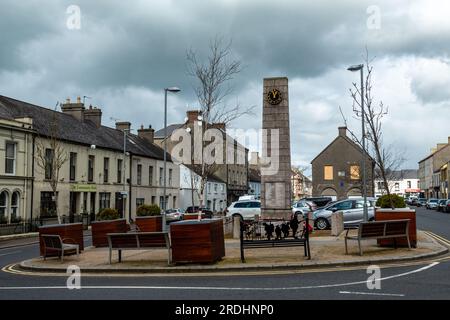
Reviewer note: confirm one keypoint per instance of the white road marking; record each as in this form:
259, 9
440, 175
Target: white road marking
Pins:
226, 288
5, 254
373, 293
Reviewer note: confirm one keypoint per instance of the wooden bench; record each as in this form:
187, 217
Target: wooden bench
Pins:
55, 246
138, 241
302, 241
388, 229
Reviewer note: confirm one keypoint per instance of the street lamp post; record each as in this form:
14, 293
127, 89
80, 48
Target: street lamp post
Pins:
123, 170
164, 203
360, 67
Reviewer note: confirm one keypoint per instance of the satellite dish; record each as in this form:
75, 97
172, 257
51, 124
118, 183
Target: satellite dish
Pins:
186, 119
199, 118
188, 130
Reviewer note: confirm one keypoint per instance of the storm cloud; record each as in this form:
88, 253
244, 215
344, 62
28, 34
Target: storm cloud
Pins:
125, 53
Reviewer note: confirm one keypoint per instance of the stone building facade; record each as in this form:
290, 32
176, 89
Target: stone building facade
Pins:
98, 173
234, 170
336, 171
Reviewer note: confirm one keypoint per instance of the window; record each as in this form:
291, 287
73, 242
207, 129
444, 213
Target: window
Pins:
409, 184
354, 172
215, 187
380, 185
3, 206
328, 172
170, 177
49, 154
153, 199
119, 170
91, 162
15, 206
150, 175
73, 166
344, 205
105, 170
161, 172
48, 205
397, 186
174, 202
105, 200
139, 174
341, 173
255, 204
139, 202
10, 158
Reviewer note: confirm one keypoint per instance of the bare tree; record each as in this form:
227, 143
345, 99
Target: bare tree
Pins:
387, 159
213, 90
50, 155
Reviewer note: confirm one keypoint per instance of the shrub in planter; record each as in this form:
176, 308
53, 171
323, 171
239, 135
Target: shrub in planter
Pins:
387, 201
146, 210
149, 218
107, 214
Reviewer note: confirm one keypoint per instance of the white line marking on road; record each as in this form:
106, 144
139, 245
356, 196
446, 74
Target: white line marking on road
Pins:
5, 254
227, 288
373, 293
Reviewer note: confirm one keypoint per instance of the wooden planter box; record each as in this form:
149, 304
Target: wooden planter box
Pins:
197, 241
72, 230
101, 228
400, 213
149, 224
192, 216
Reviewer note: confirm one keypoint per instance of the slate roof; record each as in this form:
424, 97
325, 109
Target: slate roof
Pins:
171, 128
76, 131
198, 170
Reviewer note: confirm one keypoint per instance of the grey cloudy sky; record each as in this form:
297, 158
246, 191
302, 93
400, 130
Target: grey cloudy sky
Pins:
126, 52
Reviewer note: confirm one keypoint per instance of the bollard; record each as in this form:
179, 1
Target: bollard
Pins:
337, 223
236, 227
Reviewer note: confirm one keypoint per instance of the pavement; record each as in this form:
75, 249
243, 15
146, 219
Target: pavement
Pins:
16, 240
326, 251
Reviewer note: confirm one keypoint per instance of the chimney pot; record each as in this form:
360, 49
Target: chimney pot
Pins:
147, 134
342, 131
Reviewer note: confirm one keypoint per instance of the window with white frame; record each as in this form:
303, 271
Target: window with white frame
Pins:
10, 158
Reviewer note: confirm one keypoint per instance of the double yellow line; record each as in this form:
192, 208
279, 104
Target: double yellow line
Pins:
446, 242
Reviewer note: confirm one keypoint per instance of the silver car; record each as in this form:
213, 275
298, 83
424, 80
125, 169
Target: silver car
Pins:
351, 208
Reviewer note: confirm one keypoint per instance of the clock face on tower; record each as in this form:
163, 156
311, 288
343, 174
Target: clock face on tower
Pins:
274, 97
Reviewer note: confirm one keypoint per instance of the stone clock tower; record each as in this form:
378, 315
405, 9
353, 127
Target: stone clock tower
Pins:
276, 192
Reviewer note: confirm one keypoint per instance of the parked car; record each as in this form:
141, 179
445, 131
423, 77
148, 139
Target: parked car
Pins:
174, 214
195, 209
421, 202
441, 205
432, 203
245, 209
352, 210
447, 206
411, 201
319, 201
303, 207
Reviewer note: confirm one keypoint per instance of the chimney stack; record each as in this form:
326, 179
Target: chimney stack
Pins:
192, 115
124, 125
94, 115
147, 134
342, 131
76, 110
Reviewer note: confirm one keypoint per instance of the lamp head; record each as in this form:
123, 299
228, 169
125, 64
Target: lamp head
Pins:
356, 67
173, 89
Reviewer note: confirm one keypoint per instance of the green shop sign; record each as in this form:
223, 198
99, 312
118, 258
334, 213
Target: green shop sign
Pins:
83, 187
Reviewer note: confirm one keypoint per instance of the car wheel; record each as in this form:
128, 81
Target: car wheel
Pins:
322, 224
372, 219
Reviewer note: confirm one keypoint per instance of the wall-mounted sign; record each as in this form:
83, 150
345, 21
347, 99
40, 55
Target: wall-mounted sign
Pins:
83, 187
